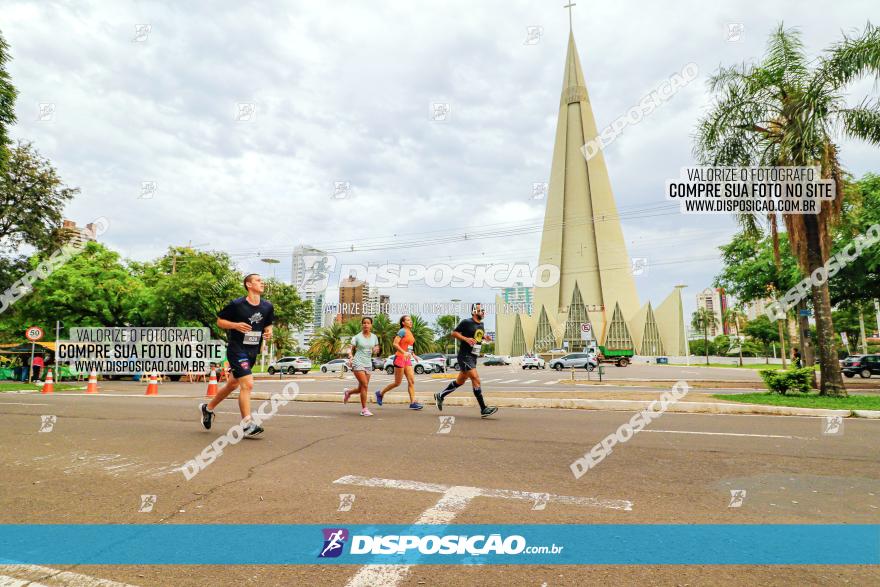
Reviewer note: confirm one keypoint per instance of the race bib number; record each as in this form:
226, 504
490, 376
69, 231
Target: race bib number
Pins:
476, 348
252, 337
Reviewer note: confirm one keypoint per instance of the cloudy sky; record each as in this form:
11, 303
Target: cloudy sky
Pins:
245, 116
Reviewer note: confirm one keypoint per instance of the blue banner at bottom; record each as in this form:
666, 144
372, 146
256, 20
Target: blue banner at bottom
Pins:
487, 544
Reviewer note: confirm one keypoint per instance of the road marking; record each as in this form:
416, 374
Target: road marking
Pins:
529, 381
726, 434
489, 380
454, 500
27, 574
20, 404
509, 381
555, 381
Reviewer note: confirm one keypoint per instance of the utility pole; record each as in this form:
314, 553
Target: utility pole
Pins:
862, 330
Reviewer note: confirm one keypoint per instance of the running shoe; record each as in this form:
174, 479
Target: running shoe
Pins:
252, 430
347, 395
366, 412
207, 416
488, 411
379, 397
438, 397
416, 406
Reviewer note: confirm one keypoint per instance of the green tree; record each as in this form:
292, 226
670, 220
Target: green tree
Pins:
93, 288
703, 320
385, 330
784, 111
327, 343
8, 93
291, 312
186, 287
423, 334
445, 325
32, 199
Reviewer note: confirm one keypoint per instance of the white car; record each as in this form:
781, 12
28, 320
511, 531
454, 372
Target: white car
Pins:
290, 365
533, 362
335, 365
419, 366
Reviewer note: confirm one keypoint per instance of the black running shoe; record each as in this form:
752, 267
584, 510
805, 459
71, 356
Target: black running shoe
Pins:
207, 416
252, 430
438, 397
488, 411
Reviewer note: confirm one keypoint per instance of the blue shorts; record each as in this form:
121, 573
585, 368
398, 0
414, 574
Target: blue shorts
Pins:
241, 362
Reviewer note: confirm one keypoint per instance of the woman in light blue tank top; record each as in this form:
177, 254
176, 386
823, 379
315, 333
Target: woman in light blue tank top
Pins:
364, 345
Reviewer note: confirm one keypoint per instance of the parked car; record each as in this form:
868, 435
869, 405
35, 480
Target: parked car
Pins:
576, 360
335, 365
863, 365
290, 365
419, 366
452, 361
496, 360
378, 363
533, 362
438, 359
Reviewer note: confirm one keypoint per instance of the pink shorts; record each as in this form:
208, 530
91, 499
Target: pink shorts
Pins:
402, 362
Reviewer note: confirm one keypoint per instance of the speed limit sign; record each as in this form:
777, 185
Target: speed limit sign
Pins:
34, 333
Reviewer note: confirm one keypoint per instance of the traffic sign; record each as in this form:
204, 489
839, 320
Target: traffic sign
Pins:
34, 333
586, 331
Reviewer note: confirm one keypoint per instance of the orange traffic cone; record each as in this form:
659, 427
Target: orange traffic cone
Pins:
212, 384
49, 384
153, 386
93, 382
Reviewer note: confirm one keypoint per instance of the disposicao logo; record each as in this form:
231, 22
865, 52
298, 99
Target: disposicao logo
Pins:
334, 540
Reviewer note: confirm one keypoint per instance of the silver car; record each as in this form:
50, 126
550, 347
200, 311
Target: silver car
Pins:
290, 365
419, 366
576, 361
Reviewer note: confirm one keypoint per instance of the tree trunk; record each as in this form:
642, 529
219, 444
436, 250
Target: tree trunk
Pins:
706, 345
832, 381
777, 261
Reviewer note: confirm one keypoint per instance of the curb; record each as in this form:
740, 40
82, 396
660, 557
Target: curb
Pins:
612, 405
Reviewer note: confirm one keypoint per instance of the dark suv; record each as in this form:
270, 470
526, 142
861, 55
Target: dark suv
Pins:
863, 365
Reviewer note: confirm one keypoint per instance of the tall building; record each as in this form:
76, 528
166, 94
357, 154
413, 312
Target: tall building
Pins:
755, 308
310, 272
78, 234
519, 296
353, 295
714, 300
582, 236
371, 300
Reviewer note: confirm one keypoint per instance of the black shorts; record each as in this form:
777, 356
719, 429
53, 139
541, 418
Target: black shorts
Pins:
241, 362
466, 361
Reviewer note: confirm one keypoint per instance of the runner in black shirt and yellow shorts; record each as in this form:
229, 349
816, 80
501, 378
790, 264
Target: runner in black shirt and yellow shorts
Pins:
470, 333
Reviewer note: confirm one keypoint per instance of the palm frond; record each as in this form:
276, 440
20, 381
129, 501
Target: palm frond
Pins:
862, 122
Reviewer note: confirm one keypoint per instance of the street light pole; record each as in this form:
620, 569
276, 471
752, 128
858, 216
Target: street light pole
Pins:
455, 340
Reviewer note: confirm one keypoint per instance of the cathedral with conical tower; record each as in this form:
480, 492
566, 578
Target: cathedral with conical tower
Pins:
583, 237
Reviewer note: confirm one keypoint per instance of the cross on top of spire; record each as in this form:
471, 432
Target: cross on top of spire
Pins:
569, 5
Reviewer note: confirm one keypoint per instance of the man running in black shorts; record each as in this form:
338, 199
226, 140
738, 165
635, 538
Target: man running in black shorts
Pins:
247, 321
471, 334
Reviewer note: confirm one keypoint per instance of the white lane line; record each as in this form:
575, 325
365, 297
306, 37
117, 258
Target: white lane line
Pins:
529, 381
30, 573
555, 381
280, 415
509, 381
488, 380
726, 434
454, 500
106, 395
20, 404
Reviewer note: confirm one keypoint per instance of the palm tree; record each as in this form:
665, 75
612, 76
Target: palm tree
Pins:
785, 111
385, 330
733, 316
704, 320
423, 334
327, 343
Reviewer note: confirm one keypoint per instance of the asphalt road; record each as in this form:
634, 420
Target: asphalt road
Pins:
104, 452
